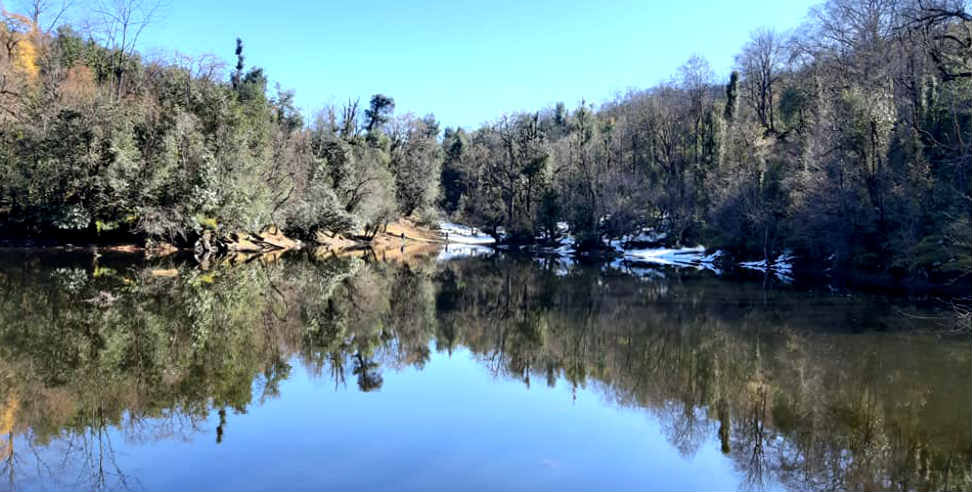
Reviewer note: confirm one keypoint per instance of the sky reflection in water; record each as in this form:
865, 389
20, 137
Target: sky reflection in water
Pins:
491, 373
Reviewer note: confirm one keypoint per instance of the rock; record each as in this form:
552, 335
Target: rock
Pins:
160, 249
122, 248
321, 252
336, 242
241, 243
273, 237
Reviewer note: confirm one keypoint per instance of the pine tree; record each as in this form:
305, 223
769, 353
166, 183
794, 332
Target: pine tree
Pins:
732, 91
237, 76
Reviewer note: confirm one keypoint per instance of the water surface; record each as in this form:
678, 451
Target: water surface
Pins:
497, 373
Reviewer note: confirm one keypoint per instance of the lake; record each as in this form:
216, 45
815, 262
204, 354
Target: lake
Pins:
303, 371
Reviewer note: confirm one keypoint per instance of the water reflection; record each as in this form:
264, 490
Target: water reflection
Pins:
796, 390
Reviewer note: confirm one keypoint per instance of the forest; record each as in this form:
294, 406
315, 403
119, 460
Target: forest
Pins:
847, 142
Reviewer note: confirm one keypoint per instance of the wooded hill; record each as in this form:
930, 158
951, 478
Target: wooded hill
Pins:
847, 141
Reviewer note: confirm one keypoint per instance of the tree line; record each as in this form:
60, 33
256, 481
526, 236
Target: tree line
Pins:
849, 139
99, 141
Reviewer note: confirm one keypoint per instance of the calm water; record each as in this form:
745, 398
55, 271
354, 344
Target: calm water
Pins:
478, 373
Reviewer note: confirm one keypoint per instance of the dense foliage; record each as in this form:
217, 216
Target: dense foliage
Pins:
848, 140
98, 141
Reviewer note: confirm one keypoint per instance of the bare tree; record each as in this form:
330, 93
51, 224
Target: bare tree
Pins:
857, 32
697, 77
120, 24
53, 12
349, 120
760, 64
944, 29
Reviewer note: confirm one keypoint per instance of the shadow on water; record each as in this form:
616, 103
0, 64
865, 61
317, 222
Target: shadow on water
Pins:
797, 388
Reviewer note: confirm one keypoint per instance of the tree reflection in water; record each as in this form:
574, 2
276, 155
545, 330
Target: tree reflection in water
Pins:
813, 392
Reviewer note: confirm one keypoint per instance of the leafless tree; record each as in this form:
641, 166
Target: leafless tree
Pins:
760, 64
349, 120
120, 23
858, 33
53, 11
697, 76
944, 28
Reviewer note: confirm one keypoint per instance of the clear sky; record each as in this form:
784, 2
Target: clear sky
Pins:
467, 62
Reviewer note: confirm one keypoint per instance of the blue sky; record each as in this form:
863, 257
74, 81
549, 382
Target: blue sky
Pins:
467, 62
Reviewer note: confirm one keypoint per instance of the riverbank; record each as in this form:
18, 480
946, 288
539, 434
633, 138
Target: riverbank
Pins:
648, 253
403, 241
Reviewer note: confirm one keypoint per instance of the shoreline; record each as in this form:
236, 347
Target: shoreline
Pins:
386, 246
